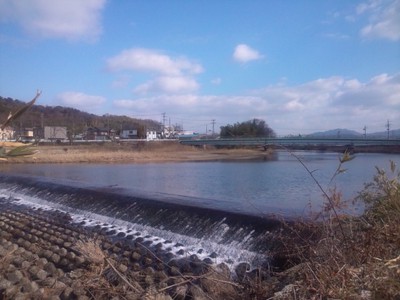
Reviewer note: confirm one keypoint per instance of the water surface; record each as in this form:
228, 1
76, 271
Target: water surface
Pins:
281, 185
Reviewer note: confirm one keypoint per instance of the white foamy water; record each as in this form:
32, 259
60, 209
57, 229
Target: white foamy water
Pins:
179, 245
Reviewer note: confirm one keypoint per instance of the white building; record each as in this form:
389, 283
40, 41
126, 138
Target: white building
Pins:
151, 135
6, 134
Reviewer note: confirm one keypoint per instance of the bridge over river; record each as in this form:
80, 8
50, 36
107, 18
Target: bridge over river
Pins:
300, 143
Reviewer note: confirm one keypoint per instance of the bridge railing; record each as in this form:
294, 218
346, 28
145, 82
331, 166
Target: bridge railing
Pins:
293, 141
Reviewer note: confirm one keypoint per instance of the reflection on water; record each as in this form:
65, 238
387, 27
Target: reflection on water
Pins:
255, 187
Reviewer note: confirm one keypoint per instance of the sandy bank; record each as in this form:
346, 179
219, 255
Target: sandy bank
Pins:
139, 152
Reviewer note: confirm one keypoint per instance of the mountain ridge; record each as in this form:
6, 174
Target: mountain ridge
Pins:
347, 133
75, 120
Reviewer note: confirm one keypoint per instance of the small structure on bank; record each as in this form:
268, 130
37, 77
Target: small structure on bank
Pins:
151, 135
55, 133
129, 134
7, 133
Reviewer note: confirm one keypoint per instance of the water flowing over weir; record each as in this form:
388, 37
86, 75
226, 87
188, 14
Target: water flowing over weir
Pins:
223, 236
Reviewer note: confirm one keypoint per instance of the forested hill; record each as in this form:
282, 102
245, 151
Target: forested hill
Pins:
75, 120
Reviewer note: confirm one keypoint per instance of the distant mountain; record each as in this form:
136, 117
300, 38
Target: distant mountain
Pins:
346, 133
393, 134
337, 133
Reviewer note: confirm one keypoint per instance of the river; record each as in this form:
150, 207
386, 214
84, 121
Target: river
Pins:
280, 185
217, 210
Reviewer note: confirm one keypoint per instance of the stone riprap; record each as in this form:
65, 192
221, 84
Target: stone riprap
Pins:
43, 256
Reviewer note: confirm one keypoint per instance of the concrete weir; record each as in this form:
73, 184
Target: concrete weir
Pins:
159, 222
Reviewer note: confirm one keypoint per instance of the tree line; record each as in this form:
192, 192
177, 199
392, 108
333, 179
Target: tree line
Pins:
75, 120
251, 128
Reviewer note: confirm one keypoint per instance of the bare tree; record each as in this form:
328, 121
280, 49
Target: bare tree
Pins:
20, 150
21, 111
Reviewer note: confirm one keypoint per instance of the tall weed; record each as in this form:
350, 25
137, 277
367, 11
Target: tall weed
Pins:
347, 257
382, 195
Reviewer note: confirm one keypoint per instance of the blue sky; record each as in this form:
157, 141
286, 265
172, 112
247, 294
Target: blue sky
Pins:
302, 66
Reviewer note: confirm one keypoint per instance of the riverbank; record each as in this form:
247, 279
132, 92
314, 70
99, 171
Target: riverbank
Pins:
136, 152
44, 255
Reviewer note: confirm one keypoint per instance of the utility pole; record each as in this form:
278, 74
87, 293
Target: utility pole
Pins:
42, 124
163, 127
213, 123
163, 118
365, 131
169, 128
108, 124
388, 128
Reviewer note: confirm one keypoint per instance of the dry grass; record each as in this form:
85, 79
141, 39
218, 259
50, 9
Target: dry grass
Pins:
91, 251
6, 259
102, 279
346, 257
11, 144
139, 152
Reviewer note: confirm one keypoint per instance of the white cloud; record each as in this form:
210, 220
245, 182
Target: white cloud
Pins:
244, 54
321, 104
171, 75
384, 19
148, 60
80, 100
294, 105
336, 36
168, 84
158, 103
67, 19
367, 6
333, 102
